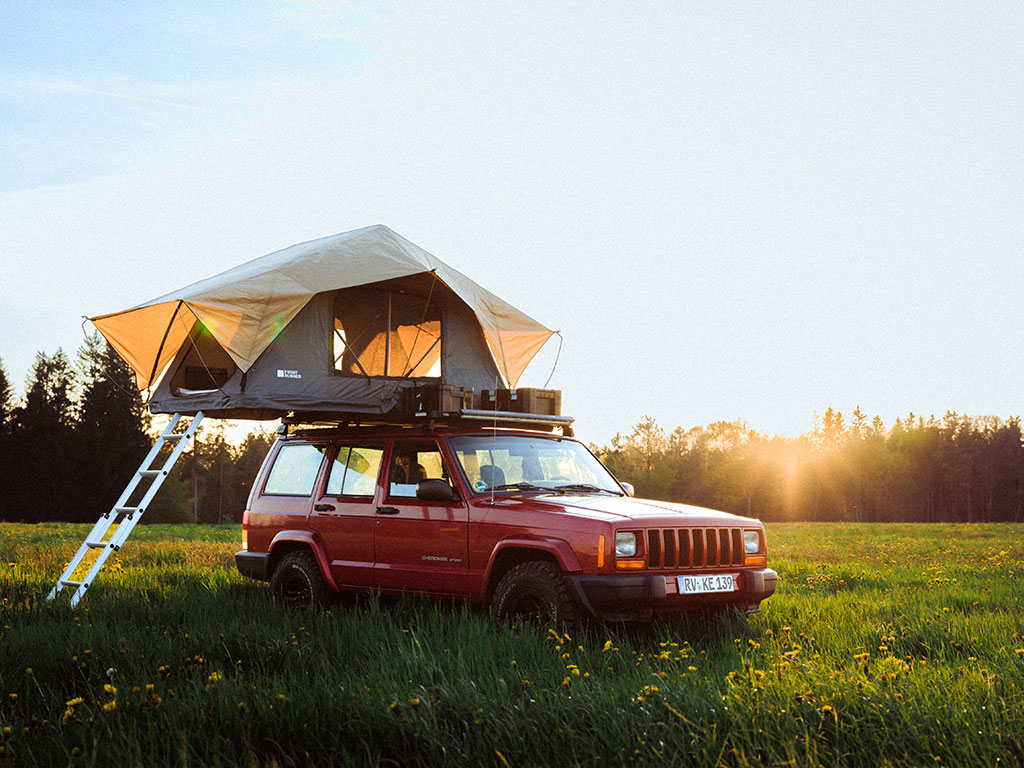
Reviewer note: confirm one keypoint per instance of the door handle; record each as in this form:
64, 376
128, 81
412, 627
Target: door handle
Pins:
323, 507
387, 511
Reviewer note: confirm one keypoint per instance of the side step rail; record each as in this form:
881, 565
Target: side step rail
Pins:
123, 518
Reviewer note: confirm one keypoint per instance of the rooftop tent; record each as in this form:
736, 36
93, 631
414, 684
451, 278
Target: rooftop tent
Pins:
343, 323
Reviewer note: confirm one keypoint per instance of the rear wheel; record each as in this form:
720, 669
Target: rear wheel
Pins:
534, 593
297, 583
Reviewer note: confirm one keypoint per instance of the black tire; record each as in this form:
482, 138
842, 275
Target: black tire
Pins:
297, 583
535, 593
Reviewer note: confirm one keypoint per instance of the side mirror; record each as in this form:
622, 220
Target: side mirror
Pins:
434, 490
628, 488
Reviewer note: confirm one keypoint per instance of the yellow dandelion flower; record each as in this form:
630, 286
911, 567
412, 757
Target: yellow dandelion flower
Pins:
14, 697
75, 701
108, 688
110, 706
692, 669
394, 706
575, 673
150, 687
414, 702
608, 646
281, 697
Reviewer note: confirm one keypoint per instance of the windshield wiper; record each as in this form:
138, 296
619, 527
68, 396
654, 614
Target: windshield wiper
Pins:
586, 487
523, 487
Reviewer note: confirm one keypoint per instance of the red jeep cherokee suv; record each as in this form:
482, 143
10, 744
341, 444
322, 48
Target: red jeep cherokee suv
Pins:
527, 522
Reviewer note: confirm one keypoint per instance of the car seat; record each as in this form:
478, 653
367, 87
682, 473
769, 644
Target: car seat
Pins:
492, 475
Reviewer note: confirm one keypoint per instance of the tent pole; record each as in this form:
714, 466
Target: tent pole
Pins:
160, 349
387, 341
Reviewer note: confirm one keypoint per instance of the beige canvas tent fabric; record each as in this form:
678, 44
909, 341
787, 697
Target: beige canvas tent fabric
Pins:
246, 307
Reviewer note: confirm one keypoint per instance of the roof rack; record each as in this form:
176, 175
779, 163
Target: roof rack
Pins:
463, 417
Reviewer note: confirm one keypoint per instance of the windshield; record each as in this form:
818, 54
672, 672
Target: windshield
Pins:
517, 463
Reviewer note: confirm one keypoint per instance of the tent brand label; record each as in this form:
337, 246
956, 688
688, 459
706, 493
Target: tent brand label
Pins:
283, 374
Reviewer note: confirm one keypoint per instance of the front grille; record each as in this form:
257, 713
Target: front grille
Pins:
694, 547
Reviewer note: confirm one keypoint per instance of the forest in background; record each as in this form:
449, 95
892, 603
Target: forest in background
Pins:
962, 469
75, 438
70, 445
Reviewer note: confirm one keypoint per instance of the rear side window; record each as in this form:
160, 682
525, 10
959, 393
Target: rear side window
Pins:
294, 471
354, 471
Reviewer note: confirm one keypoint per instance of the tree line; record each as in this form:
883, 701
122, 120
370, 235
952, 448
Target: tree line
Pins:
70, 445
952, 469
74, 439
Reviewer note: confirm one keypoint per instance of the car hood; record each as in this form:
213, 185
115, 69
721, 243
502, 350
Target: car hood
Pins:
616, 509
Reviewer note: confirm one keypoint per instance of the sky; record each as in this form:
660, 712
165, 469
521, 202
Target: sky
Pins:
730, 211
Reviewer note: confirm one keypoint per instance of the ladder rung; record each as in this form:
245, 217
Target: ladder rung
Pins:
96, 544
123, 510
70, 583
150, 472
174, 436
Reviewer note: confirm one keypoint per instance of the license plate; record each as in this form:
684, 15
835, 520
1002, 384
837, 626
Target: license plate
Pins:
716, 582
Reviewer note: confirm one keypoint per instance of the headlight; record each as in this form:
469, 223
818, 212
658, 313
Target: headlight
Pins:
751, 542
625, 544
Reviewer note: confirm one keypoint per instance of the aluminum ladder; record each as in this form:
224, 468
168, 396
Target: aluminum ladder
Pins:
121, 517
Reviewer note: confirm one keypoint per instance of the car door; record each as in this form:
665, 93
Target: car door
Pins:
420, 545
344, 514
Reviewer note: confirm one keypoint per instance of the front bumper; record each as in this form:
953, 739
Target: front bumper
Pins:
255, 565
625, 597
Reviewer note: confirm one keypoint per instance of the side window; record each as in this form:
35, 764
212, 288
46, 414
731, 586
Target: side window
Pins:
354, 471
412, 462
294, 470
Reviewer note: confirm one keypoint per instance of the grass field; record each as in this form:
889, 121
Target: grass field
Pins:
885, 645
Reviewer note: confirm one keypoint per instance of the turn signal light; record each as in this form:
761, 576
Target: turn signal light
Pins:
630, 564
755, 560
600, 551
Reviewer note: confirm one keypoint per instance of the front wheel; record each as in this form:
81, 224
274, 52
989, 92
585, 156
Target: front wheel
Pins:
534, 593
297, 583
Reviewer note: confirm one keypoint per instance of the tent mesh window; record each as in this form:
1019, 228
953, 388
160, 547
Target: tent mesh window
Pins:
386, 333
205, 366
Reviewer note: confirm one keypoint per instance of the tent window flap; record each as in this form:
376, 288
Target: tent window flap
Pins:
386, 333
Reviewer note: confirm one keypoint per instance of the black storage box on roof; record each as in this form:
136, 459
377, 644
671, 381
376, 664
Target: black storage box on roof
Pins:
547, 402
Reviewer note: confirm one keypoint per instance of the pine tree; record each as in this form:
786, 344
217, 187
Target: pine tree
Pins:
43, 451
6, 411
6, 401
111, 431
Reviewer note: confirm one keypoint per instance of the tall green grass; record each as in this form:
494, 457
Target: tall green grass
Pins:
885, 645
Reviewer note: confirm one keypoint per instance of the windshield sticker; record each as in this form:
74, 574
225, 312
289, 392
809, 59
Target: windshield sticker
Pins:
480, 485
